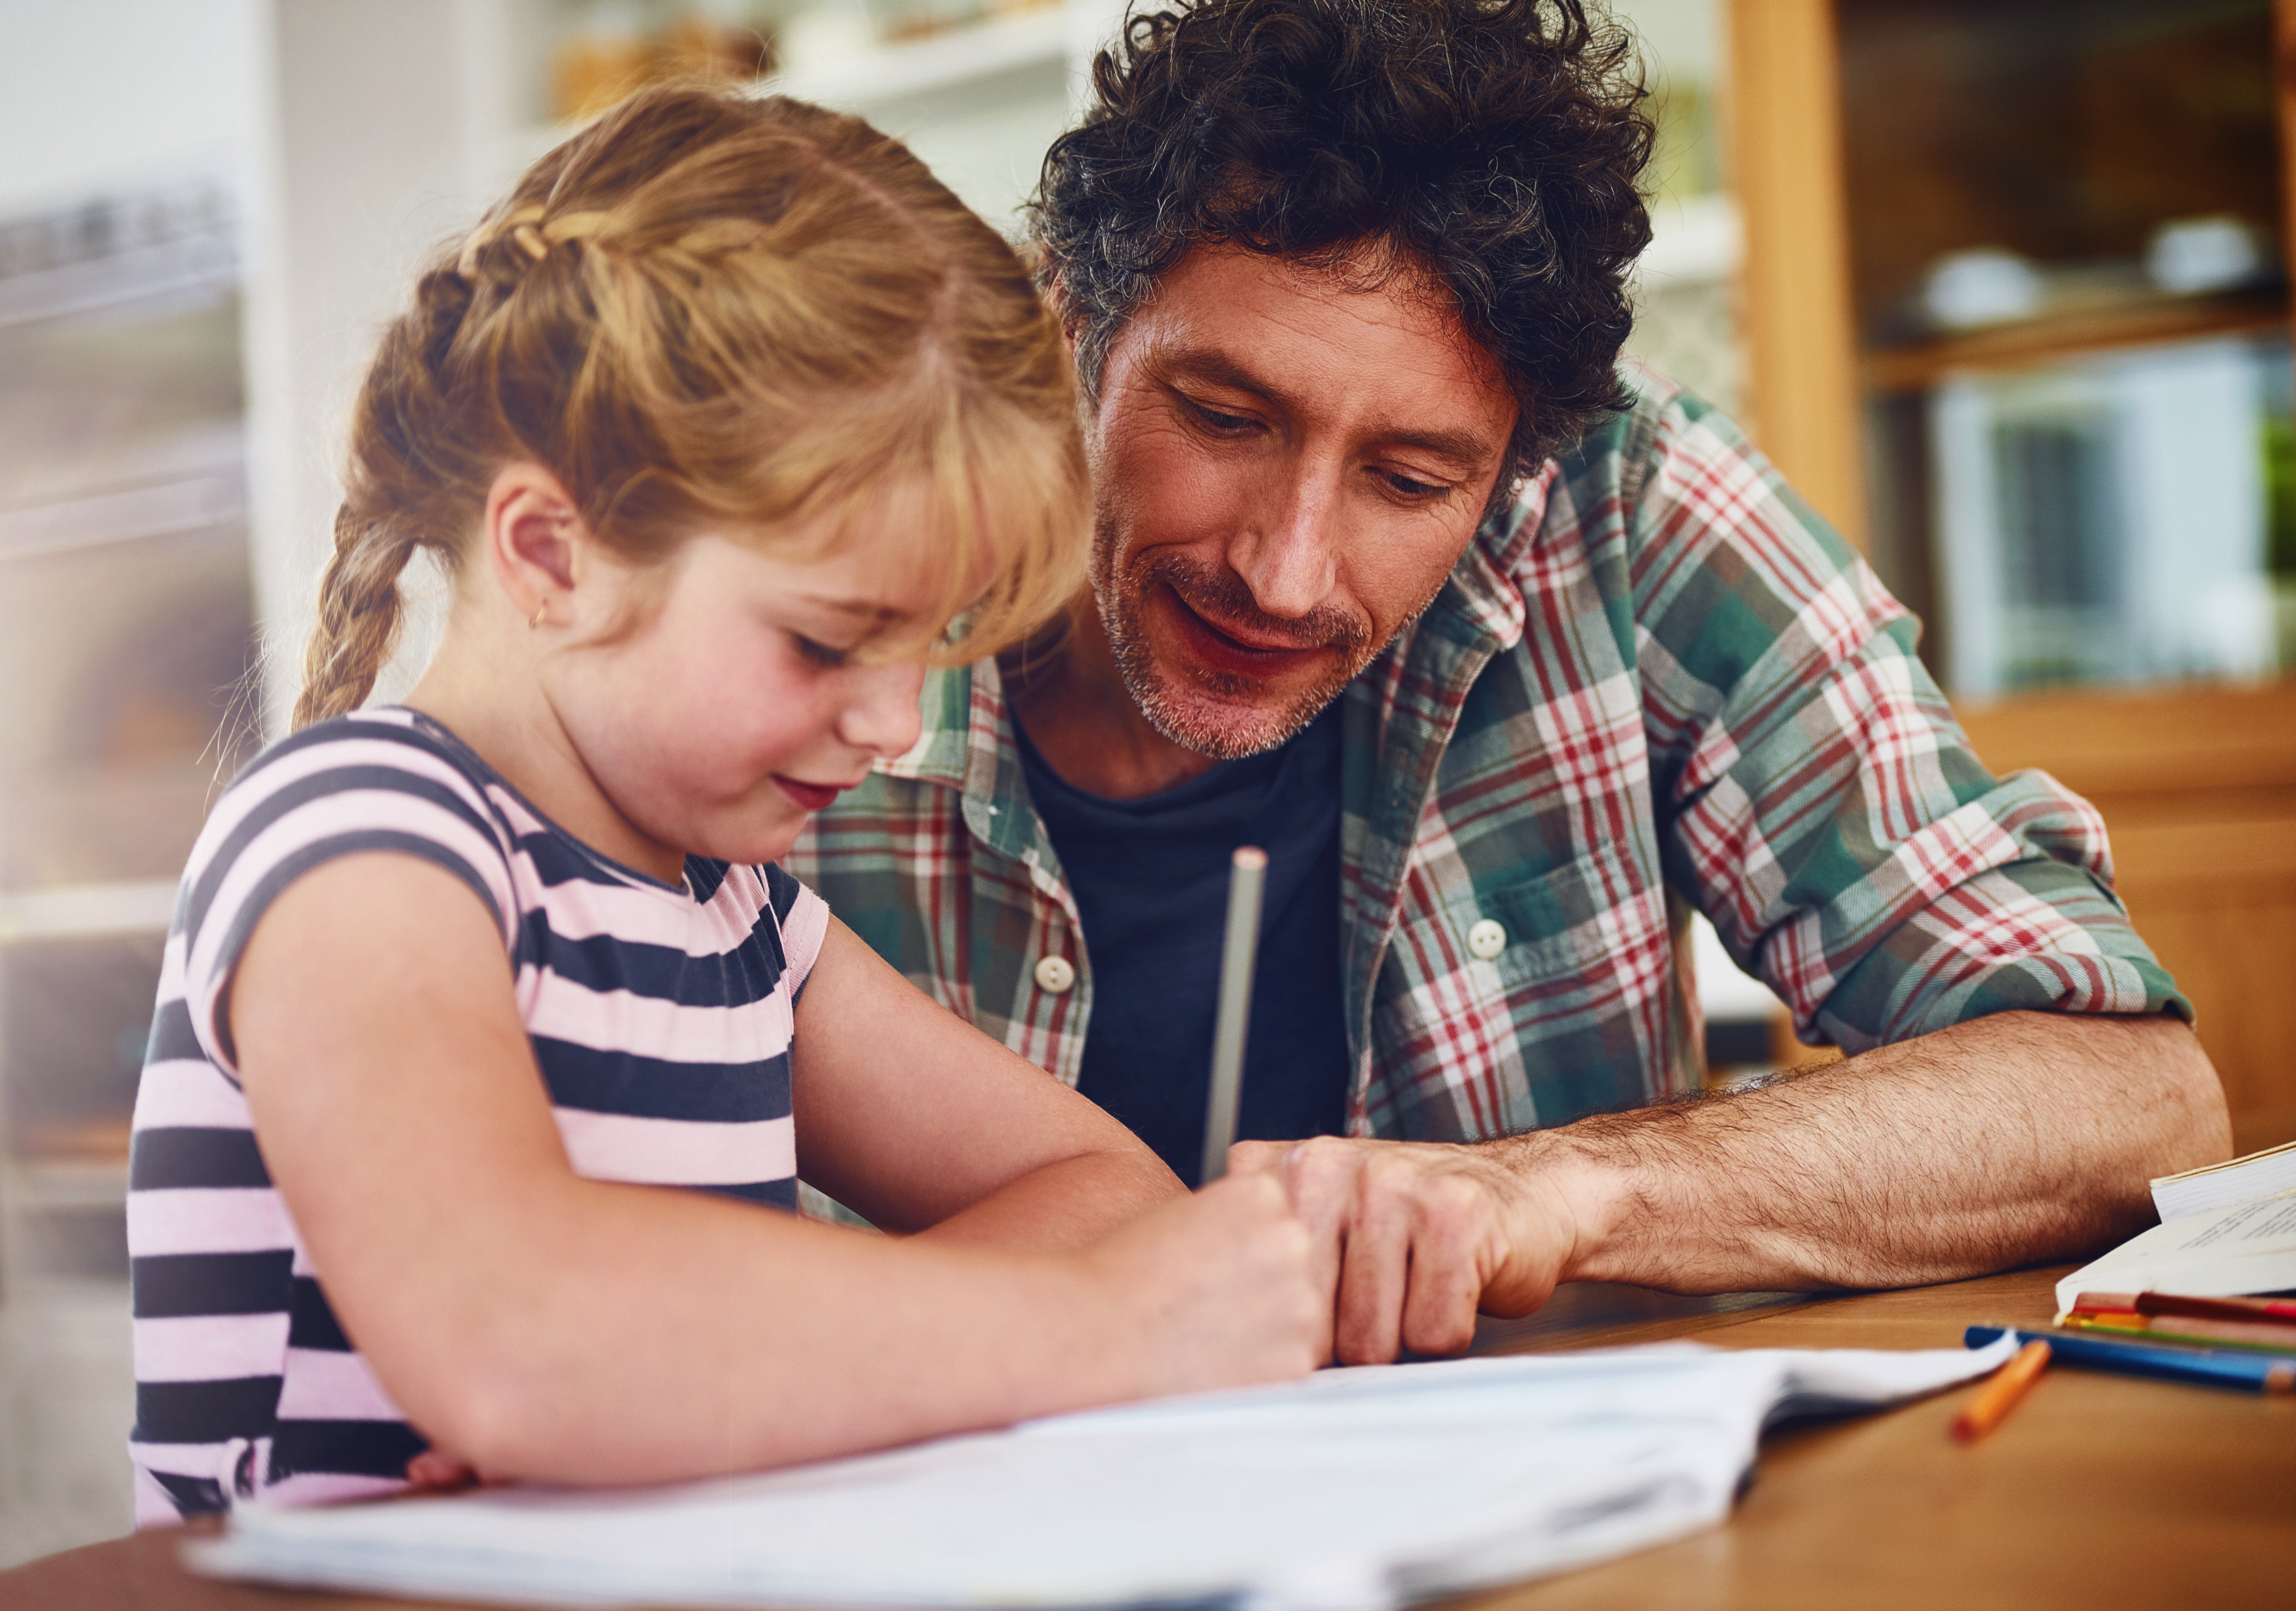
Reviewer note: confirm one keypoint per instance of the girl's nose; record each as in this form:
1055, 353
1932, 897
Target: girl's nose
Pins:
883, 716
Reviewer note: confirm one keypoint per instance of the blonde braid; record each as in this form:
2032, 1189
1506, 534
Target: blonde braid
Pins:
772, 315
359, 618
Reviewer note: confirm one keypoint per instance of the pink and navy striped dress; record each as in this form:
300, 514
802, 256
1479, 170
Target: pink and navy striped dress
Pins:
660, 1017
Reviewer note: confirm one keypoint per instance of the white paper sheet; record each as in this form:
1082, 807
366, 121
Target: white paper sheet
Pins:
1353, 1490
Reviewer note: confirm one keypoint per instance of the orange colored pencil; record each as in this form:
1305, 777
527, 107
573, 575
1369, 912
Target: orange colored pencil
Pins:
2000, 1396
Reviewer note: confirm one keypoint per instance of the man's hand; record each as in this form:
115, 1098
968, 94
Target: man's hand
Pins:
2019, 1138
1419, 1237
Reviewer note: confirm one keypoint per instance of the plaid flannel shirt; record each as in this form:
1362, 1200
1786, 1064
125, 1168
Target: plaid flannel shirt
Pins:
1656, 678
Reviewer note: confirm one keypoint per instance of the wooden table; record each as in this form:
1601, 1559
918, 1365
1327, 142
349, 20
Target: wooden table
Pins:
2099, 1490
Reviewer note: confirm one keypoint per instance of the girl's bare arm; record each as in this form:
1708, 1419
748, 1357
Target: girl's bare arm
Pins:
547, 1327
911, 1117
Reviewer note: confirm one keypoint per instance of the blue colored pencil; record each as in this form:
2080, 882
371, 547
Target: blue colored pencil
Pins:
2212, 1367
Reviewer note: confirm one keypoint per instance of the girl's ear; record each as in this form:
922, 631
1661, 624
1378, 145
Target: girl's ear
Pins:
535, 541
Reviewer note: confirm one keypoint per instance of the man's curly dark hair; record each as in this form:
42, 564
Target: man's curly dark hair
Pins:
1493, 144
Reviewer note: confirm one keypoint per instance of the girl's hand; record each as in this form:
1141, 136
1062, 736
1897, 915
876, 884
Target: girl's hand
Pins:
1218, 1291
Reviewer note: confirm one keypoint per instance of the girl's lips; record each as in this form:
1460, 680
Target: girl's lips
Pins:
811, 796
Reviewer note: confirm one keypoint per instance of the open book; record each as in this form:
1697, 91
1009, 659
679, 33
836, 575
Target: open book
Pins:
2199, 1191
2245, 1248
1352, 1490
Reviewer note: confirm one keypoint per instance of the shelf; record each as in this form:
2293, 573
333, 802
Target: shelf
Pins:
2165, 741
200, 503
88, 909
952, 61
2032, 342
868, 81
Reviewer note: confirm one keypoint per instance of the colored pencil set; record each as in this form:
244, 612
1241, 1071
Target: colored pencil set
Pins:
2265, 1325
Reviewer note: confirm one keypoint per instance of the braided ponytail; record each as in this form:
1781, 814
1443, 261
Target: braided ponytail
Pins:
382, 522
705, 313
359, 618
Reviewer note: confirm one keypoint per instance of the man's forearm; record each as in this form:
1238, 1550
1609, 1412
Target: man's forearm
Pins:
2011, 1140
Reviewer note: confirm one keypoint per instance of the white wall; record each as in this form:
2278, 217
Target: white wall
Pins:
383, 118
121, 95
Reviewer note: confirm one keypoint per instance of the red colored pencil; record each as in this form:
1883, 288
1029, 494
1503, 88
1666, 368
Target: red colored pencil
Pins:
2263, 1311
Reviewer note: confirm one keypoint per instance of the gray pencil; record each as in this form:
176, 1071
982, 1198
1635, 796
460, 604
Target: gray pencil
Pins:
1247, 868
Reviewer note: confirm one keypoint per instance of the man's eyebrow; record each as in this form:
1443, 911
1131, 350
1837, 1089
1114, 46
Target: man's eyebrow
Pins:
1220, 370
1464, 448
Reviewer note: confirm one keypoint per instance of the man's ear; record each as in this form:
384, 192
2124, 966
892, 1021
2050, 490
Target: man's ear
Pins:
535, 540
1055, 292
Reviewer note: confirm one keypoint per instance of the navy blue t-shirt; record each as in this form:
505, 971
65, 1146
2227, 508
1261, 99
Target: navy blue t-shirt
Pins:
1150, 883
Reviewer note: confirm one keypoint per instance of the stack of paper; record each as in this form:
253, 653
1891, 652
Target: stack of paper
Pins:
1354, 1491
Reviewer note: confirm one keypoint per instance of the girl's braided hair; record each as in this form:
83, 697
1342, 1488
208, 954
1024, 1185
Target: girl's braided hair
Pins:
704, 313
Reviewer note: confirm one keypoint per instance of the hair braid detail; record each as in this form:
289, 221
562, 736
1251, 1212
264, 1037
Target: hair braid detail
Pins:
359, 617
779, 320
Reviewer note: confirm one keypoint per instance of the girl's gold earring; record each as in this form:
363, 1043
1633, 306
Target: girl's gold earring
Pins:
540, 610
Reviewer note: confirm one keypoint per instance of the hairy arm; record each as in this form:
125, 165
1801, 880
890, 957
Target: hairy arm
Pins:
918, 1123
2010, 1139
544, 1325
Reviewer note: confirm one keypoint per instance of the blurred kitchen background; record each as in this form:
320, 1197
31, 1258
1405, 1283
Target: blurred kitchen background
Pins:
2000, 284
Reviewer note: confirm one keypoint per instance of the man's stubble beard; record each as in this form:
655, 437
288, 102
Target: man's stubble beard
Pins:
1236, 728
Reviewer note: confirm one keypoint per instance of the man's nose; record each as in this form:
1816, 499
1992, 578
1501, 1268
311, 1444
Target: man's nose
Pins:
883, 716
1288, 557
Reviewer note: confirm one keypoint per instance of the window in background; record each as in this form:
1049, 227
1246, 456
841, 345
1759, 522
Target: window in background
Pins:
1685, 286
126, 650
2064, 219
126, 646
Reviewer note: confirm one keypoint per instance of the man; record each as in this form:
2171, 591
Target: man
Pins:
1505, 658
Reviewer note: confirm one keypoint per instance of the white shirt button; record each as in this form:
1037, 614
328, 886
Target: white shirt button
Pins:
1486, 940
1054, 975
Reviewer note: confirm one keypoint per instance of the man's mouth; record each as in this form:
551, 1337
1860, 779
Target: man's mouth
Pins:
1235, 649
810, 796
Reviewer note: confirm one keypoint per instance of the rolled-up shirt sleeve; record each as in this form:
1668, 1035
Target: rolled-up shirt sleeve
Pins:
1822, 805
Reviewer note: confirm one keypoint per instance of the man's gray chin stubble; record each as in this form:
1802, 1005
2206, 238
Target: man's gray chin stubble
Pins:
1250, 731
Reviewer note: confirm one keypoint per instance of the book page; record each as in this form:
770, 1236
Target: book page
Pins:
2248, 1248
2198, 1191
1359, 1489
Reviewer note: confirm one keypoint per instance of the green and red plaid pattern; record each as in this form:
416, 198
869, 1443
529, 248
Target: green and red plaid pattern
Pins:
1658, 681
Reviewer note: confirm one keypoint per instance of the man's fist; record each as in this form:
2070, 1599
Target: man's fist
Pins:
1418, 1236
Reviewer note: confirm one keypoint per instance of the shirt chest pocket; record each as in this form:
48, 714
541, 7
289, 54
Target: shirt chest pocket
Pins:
1523, 1002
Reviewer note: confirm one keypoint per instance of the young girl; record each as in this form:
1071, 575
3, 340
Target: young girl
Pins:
718, 424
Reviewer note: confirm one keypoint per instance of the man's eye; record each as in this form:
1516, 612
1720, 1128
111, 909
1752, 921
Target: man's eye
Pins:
1412, 487
820, 654
1229, 424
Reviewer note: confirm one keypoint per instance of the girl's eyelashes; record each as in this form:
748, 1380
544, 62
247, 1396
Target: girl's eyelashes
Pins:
819, 654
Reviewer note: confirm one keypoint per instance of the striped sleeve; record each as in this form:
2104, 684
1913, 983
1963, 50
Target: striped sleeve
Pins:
362, 785
1824, 808
803, 916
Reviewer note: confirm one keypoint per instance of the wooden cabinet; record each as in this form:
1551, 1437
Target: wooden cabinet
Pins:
2199, 788
2055, 145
